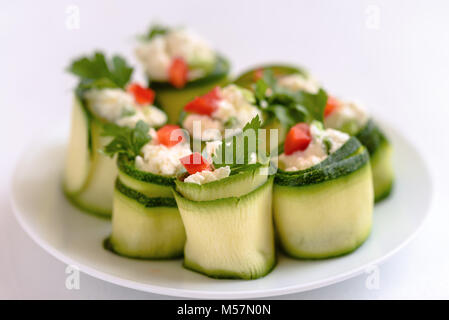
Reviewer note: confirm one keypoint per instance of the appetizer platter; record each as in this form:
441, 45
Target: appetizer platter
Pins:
198, 177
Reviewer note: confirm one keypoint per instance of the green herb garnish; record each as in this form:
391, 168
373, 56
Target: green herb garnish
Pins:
97, 73
289, 107
126, 141
155, 30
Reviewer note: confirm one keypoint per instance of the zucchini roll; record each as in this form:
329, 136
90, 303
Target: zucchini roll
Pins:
295, 88
323, 193
180, 66
145, 219
351, 118
227, 215
103, 96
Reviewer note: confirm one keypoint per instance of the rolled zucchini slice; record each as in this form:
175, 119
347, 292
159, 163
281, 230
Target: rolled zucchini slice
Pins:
144, 227
89, 175
229, 237
326, 210
381, 153
146, 223
172, 100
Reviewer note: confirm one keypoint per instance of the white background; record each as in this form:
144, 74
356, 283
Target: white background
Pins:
394, 55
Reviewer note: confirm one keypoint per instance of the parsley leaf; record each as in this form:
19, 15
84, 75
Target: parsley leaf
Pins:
126, 140
155, 30
96, 72
240, 151
287, 106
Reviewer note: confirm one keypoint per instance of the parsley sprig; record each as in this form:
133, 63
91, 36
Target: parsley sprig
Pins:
96, 72
126, 141
289, 107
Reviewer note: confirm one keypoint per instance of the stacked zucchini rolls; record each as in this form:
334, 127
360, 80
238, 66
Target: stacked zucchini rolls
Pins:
270, 155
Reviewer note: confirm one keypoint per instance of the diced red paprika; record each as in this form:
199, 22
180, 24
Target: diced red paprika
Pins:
141, 95
298, 138
331, 105
178, 72
164, 135
195, 163
206, 104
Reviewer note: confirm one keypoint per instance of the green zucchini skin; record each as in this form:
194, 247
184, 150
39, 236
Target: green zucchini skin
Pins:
172, 100
381, 152
127, 167
325, 211
230, 238
145, 227
235, 185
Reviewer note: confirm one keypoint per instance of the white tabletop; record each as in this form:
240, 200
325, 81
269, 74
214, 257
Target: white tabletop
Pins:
392, 55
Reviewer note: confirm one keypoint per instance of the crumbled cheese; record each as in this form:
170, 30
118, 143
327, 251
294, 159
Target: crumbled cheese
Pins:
316, 151
157, 54
347, 113
159, 159
119, 107
233, 104
206, 176
109, 104
297, 82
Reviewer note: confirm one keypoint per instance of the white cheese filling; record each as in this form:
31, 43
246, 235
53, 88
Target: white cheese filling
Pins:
317, 150
159, 159
296, 82
234, 111
157, 54
349, 117
119, 107
206, 176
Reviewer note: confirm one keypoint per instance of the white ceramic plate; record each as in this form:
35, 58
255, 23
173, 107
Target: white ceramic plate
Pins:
76, 238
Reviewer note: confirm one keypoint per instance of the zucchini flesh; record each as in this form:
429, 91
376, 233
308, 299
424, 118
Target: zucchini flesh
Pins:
381, 152
325, 211
78, 160
173, 100
233, 186
230, 237
145, 228
96, 192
